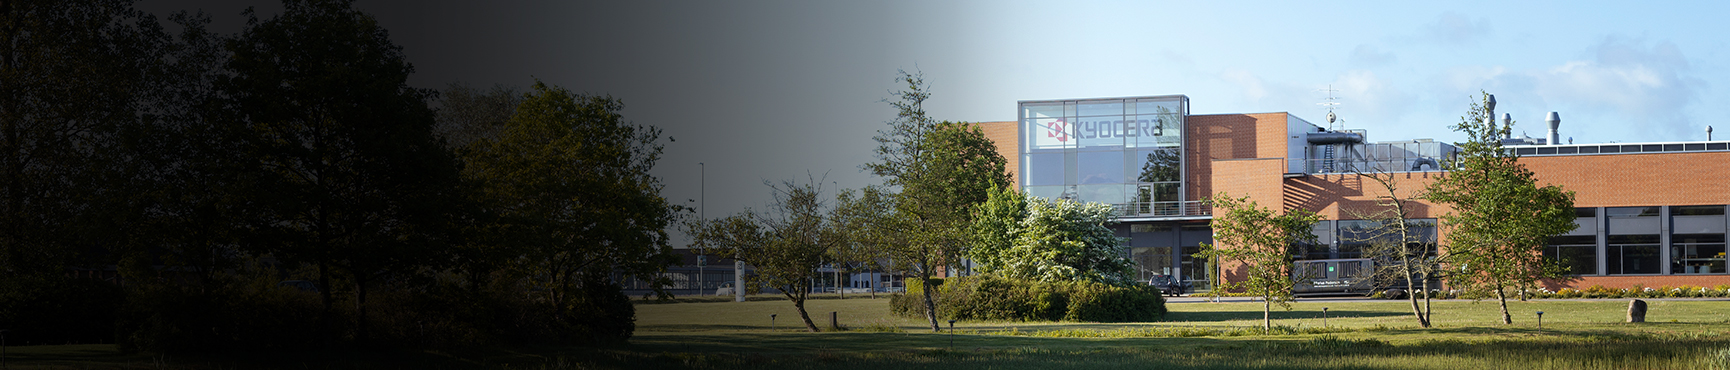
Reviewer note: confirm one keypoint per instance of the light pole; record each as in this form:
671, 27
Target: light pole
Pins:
702, 200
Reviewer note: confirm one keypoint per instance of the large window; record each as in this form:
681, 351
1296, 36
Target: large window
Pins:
1633, 244
1632, 254
1124, 152
1579, 253
1697, 254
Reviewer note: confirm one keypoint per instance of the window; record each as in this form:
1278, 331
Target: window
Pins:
1578, 253
1697, 253
1632, 254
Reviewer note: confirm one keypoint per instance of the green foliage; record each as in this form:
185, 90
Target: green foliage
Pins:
1020, 236
786, 245
937, 172
1263, 242
988, 297
569, 180
1501, 218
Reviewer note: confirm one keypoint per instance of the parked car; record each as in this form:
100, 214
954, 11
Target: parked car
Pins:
1169, 285
724, 290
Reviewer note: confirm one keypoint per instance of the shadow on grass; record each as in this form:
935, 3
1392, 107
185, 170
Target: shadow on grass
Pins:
1276, 314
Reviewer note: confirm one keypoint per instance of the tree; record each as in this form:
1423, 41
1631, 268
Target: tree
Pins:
89, 92
1501, 218
469, 115
939, 170
786, 245
570, 181
1262, 241
1025, 237
867, 222
1400, 249
343, 157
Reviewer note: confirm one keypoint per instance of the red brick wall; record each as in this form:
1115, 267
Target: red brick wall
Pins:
1008, 144
1229, 136
1656, 179
1345, 196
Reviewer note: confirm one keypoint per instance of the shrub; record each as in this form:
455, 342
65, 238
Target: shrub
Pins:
986, 297
58, 310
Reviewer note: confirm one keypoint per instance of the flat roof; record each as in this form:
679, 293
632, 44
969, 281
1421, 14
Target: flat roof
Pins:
1619, 148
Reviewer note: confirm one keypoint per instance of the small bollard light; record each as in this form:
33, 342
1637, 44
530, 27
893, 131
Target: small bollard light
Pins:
1324, 317
771, 321
951, 334
1540, 320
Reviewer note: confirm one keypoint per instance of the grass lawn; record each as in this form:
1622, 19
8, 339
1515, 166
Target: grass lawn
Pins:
1590, 334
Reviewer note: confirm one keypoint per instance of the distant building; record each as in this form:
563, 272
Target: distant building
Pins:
1650, 214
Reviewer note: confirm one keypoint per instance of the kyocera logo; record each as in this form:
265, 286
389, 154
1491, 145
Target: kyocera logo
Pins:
1057, 129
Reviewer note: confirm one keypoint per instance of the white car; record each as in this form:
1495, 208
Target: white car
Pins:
725, 289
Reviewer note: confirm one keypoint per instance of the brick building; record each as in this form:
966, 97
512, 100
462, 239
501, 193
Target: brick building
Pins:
1650, 214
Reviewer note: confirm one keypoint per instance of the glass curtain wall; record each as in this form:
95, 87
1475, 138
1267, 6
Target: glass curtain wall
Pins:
1124, 152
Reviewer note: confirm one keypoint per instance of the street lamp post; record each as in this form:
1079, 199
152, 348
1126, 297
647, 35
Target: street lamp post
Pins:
702, 199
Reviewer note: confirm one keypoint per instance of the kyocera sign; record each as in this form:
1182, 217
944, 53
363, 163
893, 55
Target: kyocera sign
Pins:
1055, 134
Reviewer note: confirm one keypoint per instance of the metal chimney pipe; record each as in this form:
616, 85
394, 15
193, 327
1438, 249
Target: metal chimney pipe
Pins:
1555, 120
1490, 107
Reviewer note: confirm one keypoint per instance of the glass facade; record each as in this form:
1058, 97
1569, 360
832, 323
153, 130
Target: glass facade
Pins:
1122, 151
1651, 240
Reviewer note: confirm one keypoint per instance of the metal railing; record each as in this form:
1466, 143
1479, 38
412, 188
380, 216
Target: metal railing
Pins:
1372, 165
1162, 209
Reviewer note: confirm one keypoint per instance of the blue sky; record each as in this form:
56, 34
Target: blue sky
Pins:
772, 90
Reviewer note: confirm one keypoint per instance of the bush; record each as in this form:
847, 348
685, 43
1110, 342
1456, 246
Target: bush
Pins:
244, 314
58, 310
987, 297
601, 313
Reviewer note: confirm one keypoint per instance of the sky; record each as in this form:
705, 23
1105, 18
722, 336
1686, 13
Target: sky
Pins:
753, 91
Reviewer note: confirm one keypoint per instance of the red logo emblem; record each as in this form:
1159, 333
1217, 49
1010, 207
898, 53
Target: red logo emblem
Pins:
1058, 129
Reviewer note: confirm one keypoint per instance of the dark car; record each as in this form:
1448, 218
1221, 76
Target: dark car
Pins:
1169, 285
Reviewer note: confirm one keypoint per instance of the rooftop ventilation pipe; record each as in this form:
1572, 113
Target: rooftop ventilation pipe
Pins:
1555, 120
1335, 137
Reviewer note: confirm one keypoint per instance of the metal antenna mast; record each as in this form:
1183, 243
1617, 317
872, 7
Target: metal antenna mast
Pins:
1330, 103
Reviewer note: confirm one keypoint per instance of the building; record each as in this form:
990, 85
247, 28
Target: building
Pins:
1650, 214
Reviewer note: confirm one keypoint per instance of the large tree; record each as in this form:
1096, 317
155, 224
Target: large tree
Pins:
786, 244
938, 171
343, 156
570, 181
94, 97
1263, 242
1501, 218
1404, 248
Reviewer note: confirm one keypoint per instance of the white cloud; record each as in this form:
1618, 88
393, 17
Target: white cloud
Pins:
1253, 87
1627, 83
1369, 56
1370, 101
1455, 29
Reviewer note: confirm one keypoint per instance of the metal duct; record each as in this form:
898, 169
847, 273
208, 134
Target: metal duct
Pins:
1325, 138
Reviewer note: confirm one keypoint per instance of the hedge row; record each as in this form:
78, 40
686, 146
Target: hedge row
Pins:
986, 297
1595, 291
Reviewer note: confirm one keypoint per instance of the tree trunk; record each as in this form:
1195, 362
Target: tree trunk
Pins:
1428, 313
360, 333
1416, 311
799, 303
1502, 297
930, 304
324, 298
1266, 315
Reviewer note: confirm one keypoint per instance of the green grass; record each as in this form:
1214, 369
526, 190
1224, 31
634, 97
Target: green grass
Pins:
715, 334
